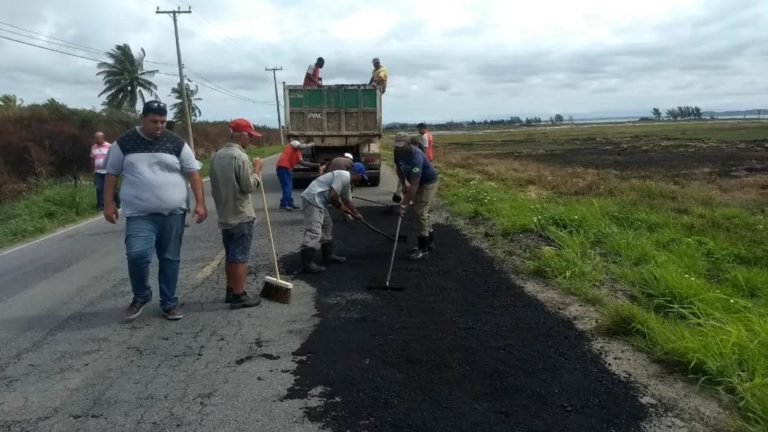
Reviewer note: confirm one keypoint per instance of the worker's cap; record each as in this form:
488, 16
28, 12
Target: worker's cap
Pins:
375, 60
241, 125
358, 168
349, 156
401, 139
154, 107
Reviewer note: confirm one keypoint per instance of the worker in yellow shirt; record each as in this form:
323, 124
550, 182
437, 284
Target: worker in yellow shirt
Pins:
379, 76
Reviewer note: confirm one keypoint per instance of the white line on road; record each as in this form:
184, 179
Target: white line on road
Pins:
211, 267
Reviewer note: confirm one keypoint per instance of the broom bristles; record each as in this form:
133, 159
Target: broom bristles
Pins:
277, 290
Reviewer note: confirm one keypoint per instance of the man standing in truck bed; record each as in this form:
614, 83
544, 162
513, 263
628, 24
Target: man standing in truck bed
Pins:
312, 77
379, 76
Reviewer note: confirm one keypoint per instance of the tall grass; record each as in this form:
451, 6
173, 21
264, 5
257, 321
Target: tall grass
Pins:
678, 267
49, 207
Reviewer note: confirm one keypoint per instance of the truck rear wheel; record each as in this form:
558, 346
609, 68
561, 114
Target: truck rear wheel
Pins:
374, 181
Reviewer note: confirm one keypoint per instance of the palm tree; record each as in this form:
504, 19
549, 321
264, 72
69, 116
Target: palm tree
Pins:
178, 106
125, 80
10, 101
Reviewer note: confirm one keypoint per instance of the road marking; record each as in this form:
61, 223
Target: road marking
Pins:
54, 234
95, 218
208, 270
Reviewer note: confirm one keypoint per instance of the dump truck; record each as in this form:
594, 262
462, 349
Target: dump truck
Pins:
339, 119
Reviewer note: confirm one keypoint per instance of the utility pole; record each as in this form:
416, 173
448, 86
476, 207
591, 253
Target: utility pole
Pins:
182, 81
277, 101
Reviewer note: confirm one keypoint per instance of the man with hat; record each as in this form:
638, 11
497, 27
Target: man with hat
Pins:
379, 76
334, 188
233, 178
154, 163
419, 184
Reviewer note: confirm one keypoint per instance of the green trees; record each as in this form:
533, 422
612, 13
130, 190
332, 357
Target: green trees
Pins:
125, 80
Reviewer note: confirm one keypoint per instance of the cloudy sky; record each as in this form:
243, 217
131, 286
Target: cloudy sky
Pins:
447, 59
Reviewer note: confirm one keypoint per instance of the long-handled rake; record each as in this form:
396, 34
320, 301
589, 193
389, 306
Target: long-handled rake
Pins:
386, 285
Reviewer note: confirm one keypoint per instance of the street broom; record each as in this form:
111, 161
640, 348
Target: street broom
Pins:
274, 288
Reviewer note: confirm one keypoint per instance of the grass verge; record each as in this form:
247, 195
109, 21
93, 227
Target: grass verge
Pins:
678, 267
52, 206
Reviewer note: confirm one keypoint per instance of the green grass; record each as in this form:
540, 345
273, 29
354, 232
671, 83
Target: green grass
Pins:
51, 207
681, 275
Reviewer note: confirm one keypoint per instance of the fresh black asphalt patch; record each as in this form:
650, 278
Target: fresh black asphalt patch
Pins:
461, 349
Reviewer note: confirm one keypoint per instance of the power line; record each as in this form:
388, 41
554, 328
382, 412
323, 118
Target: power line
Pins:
224, 89
66, 44
51, 49
80, 47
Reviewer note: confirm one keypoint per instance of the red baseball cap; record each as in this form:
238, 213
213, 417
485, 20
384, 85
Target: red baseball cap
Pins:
241, 125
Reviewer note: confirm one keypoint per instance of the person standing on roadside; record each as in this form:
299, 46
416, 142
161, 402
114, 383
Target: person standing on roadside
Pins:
99, 151
312, 78
426, 142
419, 185
289, 158
379, 76
154, 164
334, 188
233, 179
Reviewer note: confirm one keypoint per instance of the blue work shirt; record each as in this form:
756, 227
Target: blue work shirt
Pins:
416, 166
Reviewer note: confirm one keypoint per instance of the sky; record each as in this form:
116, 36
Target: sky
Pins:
447, 60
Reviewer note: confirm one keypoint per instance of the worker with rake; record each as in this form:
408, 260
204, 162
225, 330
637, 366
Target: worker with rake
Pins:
419, 182
334, 188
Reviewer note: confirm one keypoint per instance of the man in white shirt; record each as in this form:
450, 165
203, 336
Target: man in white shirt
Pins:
333, 188
99, 151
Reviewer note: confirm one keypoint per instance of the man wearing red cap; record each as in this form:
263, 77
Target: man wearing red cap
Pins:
233, 179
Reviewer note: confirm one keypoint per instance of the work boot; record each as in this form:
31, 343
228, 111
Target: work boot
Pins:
243, 300
228, 297
308, 264
431, 241
329, 256
422, 250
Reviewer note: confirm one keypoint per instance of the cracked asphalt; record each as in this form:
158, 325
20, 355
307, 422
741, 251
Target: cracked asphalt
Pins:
69, 363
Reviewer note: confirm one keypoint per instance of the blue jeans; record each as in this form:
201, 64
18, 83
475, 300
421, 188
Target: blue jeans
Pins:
98, 181
145, 236
285, 176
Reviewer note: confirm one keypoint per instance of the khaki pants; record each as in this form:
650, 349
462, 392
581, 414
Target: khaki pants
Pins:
318, 227
422, 205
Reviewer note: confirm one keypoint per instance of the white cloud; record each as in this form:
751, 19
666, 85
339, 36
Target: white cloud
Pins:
448, 59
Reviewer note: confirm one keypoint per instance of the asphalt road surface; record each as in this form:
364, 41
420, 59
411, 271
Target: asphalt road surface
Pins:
462, 348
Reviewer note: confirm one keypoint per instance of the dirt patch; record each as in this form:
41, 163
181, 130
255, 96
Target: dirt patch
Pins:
638, 156
462, 348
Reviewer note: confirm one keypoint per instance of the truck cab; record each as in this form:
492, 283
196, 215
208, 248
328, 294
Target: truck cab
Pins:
339, 119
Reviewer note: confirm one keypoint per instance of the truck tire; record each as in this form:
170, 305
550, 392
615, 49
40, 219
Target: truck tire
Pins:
374, 181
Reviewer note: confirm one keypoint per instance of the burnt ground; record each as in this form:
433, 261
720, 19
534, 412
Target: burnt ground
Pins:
640, 156
462, 348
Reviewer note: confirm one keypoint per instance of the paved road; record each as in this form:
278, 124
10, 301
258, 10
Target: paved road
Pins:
69, 363
337, 358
